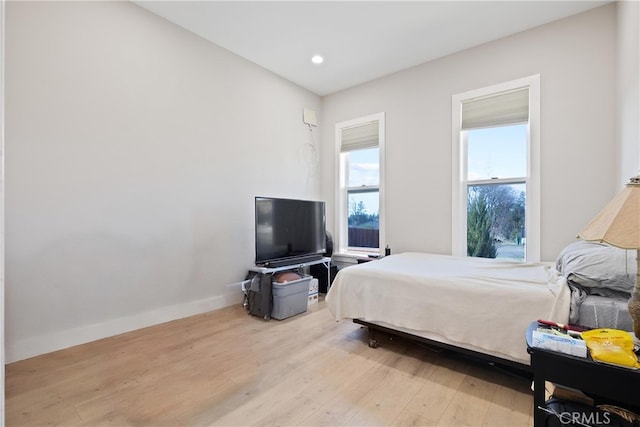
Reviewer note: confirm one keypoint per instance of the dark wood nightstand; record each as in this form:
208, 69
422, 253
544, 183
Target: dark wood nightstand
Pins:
606, 383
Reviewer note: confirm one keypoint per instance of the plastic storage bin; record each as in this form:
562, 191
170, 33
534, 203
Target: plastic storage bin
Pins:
290, 298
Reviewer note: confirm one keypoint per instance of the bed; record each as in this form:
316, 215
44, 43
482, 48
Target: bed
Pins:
475, 305
601, 279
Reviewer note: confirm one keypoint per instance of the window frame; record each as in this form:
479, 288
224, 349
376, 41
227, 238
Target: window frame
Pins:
342, 189
460, 180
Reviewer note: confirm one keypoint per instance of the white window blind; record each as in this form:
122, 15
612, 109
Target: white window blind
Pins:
360, 137
502, 109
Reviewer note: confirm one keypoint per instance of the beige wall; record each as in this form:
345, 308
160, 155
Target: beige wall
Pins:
134, 150
576, 59
2, 323
628, 90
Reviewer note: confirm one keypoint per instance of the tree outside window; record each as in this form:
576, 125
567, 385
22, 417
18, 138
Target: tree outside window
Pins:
496, 221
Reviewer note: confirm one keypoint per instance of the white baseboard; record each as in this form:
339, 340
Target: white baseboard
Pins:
35, 346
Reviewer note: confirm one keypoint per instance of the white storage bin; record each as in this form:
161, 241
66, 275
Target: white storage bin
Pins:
290, 298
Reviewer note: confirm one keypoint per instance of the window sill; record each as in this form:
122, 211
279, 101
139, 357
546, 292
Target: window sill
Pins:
353, 257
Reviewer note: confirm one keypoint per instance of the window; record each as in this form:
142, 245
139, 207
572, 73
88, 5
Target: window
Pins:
360, 189
496, 200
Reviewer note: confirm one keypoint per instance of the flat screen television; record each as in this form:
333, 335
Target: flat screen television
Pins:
289, 231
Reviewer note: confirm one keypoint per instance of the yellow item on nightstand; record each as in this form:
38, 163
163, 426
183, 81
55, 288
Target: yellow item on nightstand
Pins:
611, 346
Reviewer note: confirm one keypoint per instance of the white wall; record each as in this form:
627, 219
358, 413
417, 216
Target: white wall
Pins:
2, 323
133, 152
628, 90
576, 58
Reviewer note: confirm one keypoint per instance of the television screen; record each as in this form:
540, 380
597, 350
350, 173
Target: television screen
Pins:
289, 231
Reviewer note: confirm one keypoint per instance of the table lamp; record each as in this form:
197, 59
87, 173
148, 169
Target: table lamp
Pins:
618, 224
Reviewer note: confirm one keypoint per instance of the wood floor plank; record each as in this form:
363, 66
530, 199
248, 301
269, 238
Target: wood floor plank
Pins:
384, 402
350, 386
343, 401
225, 368
470, 404
511, 405
432, 400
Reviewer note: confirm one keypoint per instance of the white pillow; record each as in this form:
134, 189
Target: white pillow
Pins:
598, 265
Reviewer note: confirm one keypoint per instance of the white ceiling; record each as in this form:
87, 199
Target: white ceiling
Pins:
360, 40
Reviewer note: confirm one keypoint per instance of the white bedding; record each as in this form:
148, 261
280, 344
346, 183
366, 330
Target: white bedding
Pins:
476, 303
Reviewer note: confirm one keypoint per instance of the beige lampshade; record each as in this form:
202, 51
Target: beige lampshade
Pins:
618, 224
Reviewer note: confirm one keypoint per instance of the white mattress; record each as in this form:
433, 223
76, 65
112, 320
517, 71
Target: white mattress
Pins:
476, 303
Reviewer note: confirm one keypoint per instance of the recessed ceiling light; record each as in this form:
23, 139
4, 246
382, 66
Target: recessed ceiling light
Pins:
317, 59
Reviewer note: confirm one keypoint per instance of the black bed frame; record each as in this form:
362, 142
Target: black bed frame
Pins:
487, 358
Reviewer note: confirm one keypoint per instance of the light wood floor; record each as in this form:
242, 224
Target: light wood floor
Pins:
226, 368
